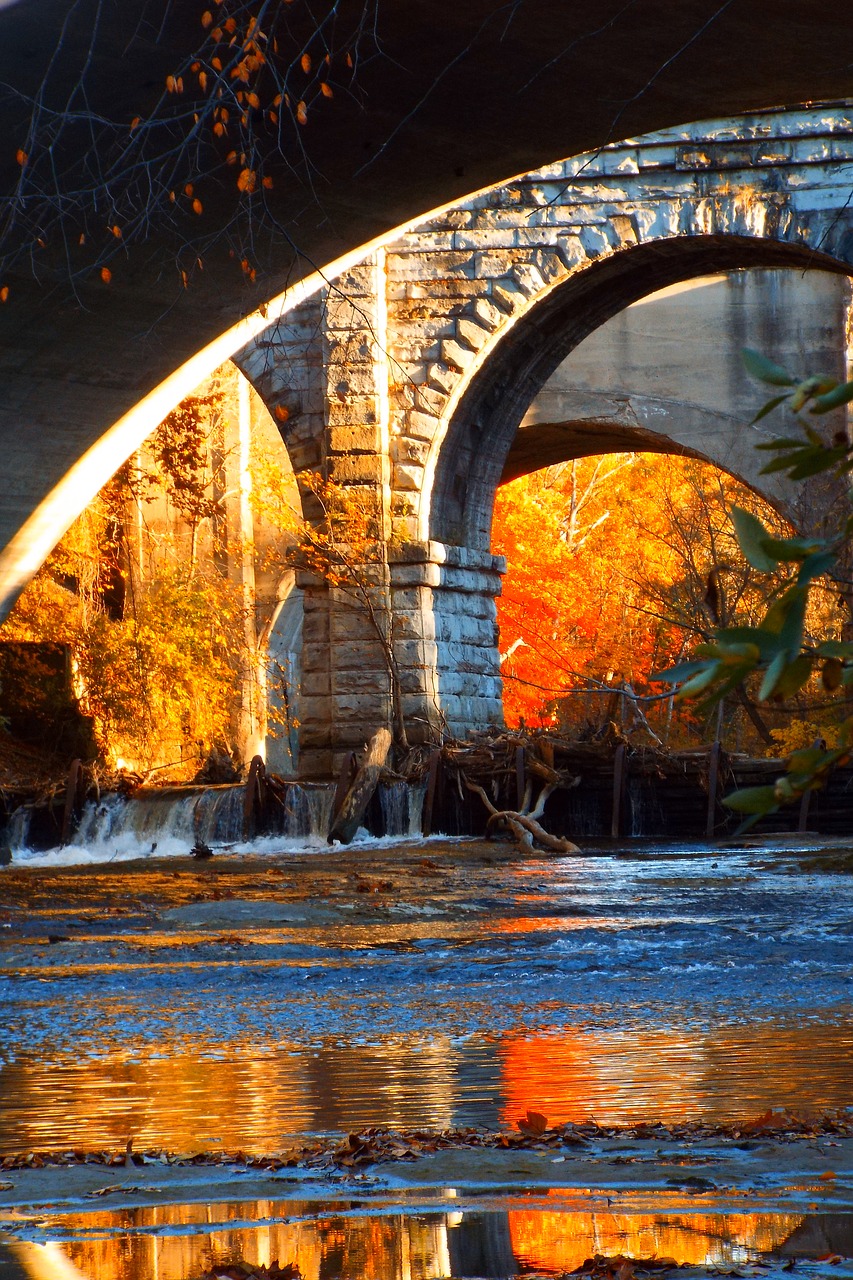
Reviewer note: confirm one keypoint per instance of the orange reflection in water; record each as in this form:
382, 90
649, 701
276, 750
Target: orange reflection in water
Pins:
545, 1241
260, 1100
136, 1244
669, 1075
257, 1102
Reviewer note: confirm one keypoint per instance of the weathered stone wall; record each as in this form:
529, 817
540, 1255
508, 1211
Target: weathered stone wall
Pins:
409, 376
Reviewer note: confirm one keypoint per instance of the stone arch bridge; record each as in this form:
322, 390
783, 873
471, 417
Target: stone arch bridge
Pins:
441, 362
425, 373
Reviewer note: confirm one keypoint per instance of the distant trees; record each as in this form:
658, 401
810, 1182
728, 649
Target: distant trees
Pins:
148, 589
617, 567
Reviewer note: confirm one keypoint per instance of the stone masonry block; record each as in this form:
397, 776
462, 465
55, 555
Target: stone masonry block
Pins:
421, 426
357, 469
415, 575
404, 525
351, 380
406, 599
316, 763
315, 633
528, 278
442, 378
471, 333
349, 626
358, 655
315, 709
490, 264
497, 238
372, 683
508, 296
352, 412
488, 315
404, 449
415, 626
357, 439
550, 265
455, 355
594, 241
408, 477
314, 683
371, 709
412, 681
428, 400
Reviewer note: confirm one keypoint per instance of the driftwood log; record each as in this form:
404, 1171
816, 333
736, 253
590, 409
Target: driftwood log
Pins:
523, 825
348, 819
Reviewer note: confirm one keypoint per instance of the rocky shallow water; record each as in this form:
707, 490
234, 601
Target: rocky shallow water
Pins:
251, 1002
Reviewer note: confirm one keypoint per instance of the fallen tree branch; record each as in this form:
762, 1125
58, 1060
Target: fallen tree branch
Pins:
524, 827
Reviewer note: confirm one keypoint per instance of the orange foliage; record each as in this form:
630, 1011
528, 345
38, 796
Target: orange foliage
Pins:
608, 563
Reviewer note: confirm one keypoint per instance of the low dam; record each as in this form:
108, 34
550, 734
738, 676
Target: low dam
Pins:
594, 792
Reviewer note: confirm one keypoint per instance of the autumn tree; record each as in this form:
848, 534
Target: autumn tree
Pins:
617, 566
149, 591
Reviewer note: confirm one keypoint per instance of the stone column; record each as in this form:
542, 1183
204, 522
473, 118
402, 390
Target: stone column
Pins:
446, 638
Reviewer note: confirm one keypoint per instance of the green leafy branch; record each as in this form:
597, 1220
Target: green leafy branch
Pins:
778, 648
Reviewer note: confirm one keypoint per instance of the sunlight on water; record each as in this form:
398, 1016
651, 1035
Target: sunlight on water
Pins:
226, 1008
261, 1101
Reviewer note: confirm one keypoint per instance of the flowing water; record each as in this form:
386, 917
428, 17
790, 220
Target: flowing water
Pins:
216, 1007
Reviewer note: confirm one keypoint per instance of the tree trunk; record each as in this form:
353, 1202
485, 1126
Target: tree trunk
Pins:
348, 819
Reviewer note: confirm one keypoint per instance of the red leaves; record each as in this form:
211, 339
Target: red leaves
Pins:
534, 1123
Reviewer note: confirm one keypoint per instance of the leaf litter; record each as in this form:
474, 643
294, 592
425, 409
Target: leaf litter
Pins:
379, 1145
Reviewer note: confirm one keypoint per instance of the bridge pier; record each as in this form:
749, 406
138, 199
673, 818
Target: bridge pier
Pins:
428, 634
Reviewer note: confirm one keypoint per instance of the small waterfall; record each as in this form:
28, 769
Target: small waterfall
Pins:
308, 810
588, 813
394, 801
18, 830
297, 815
646, 815
219, 815
169, 821
173, 814
417, 796
402, 806
320, 802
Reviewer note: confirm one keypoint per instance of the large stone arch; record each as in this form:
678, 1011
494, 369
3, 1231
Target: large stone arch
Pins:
511, 281
408, 372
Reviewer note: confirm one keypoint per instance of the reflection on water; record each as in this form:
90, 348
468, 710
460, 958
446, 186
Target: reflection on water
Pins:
239, 1009
178, 1242
262, 1100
